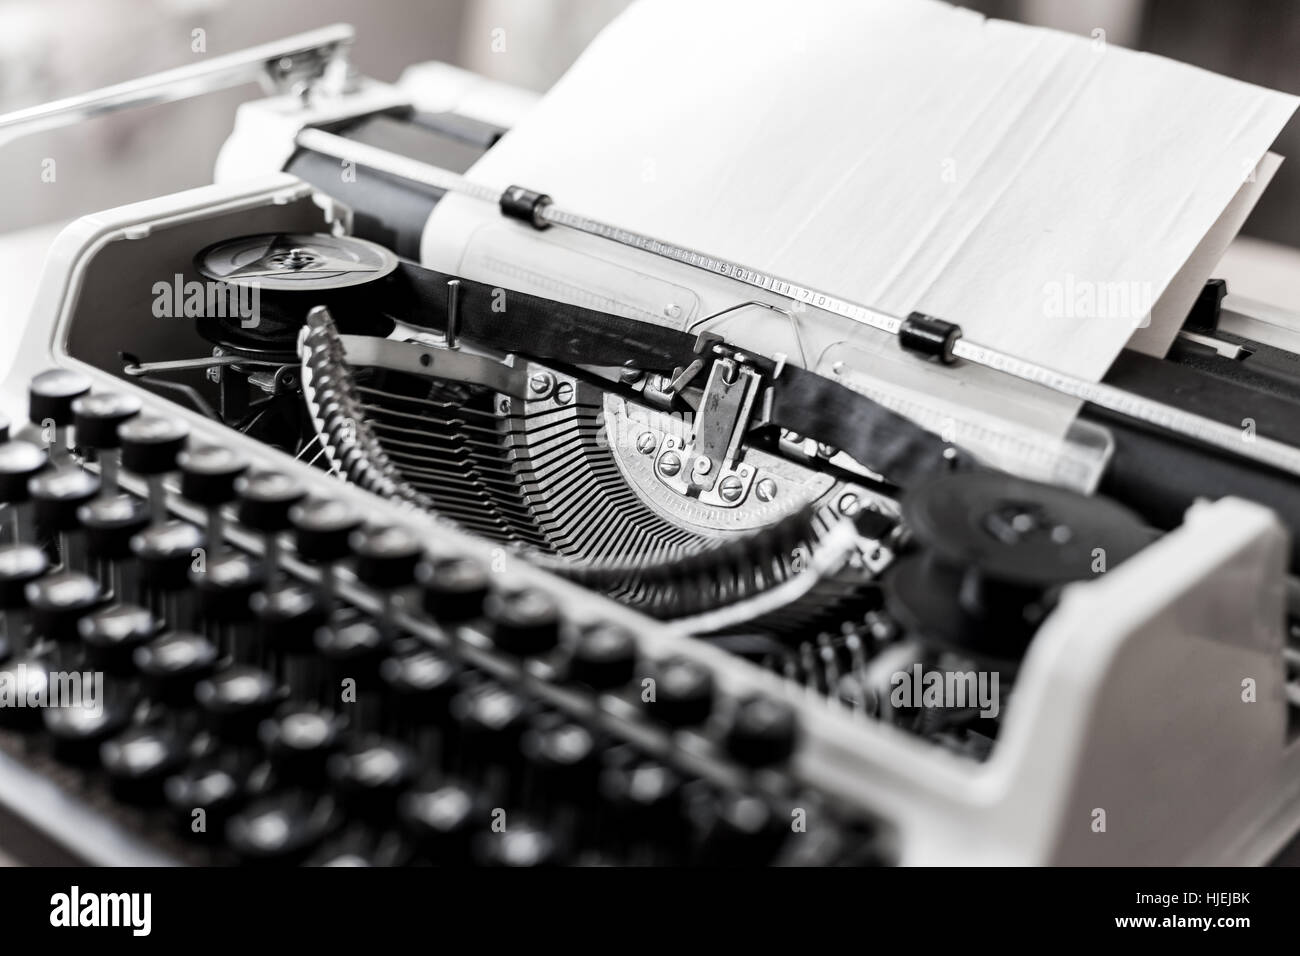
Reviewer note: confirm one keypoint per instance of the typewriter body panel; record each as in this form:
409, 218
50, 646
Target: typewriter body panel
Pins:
801, 581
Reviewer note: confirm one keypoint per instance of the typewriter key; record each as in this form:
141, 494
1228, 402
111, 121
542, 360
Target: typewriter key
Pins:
282, 828
521, 844
112, 634
96, 419
58, 602
235, 700
287, 621
57, 495
225, 584
49, 405
77, 731
150, 447
19, 463
208, 477
165, 554
603, 658
525, 622
298, 740
683, 693
20, 565
108, 524
454, 589
139, 760
171, 666
265, 500
763, 731
370, 773
442, 819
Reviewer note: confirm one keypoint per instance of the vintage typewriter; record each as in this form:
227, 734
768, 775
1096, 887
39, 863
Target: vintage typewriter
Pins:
384, 565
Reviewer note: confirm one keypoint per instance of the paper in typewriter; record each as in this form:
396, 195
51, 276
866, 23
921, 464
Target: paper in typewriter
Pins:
1042, 190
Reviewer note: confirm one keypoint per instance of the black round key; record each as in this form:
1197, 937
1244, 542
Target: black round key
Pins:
265, 500
57, 495
151, 444
173, 664
226, 584
236, 699
422, 683
356, 847
19, 463
59, 601
97, 418
385, 557
109, 524
76, 732
28, 680
282, 828
20, 565
354, 650
683, 693
564, 754
112, 634
645, 791
139, 760
209, 474
491, 719
208, 787
524, 622
288, 618
299, 739
166, 553
453, 589
51, 394
442, 819
738, 829
519, 845
370, 773
322, 528
603, 658
763, 731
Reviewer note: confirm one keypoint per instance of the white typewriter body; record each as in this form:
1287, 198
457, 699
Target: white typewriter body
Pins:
1149, 719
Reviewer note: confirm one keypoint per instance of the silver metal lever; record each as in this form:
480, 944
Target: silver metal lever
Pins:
296, 63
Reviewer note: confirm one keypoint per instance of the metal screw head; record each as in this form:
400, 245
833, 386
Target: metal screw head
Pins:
630, 376
670, 464
765, 489
645, 443
564, 393
730, 489
503, 406
848, 505
541, 383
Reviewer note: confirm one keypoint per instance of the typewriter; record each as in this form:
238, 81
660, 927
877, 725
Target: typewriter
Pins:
313, 554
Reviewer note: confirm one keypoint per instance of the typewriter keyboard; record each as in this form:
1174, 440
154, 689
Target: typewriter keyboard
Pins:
234, 661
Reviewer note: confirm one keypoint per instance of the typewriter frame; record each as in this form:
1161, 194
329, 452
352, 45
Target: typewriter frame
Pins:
1139, 666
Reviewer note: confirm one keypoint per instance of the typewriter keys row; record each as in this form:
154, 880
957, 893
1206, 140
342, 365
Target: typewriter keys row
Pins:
271, 692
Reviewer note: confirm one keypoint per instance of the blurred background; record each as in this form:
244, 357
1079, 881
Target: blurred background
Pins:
53, 48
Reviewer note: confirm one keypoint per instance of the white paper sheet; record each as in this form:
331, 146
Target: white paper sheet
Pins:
1040, 189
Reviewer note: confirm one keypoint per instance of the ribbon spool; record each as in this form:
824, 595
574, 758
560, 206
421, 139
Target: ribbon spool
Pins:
268, 283
993, 554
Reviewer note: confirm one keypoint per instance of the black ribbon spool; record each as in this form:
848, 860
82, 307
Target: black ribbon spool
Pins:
280, 277
994, 552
